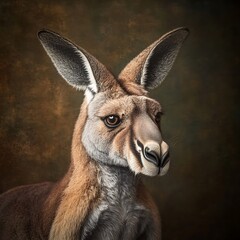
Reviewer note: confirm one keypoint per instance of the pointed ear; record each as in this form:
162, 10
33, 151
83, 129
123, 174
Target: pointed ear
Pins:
75, 65
152, 65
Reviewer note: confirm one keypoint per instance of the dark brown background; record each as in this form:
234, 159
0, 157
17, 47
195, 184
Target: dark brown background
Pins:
198, 199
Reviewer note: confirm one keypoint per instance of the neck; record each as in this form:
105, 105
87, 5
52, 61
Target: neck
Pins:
117, 183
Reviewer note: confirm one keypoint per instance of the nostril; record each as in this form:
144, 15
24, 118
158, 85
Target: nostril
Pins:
165, 159
151, 156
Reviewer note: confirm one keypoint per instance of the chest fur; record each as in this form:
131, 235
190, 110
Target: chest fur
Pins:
117, 215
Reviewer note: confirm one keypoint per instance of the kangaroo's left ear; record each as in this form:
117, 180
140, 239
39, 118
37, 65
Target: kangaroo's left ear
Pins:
152, 65
78, 67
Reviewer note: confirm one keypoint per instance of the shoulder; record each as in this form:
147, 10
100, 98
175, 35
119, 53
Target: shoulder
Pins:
24, 193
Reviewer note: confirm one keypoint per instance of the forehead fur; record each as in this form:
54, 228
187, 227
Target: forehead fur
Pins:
102, 105
120, 87
131, 88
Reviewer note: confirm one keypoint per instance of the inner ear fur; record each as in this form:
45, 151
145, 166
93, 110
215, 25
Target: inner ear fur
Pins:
152, 65
79, 68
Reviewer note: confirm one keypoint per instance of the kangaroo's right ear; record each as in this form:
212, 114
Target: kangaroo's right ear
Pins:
152, 65
74, 64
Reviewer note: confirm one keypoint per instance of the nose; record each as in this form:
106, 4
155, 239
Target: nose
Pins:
165, 154
152, 156
165, 158
155, 154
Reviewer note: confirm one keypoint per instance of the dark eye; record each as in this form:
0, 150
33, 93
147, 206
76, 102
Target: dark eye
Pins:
112, 121
158, 117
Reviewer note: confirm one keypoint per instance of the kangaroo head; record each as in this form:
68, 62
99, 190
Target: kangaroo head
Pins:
122, 126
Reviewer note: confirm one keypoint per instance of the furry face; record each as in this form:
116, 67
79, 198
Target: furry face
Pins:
130, 138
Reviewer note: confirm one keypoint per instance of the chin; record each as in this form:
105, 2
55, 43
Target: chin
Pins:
155, 171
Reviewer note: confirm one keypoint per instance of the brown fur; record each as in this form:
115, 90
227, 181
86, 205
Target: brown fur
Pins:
81, 191
57, 211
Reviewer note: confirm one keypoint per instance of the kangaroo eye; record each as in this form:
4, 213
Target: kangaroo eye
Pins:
112, 121
158, 117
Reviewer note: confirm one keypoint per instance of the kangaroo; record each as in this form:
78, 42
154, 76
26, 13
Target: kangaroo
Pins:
117, 137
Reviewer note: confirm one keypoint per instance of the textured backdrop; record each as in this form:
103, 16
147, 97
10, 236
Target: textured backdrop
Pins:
198, 199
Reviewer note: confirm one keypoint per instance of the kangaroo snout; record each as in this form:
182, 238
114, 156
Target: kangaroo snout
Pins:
158, 154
